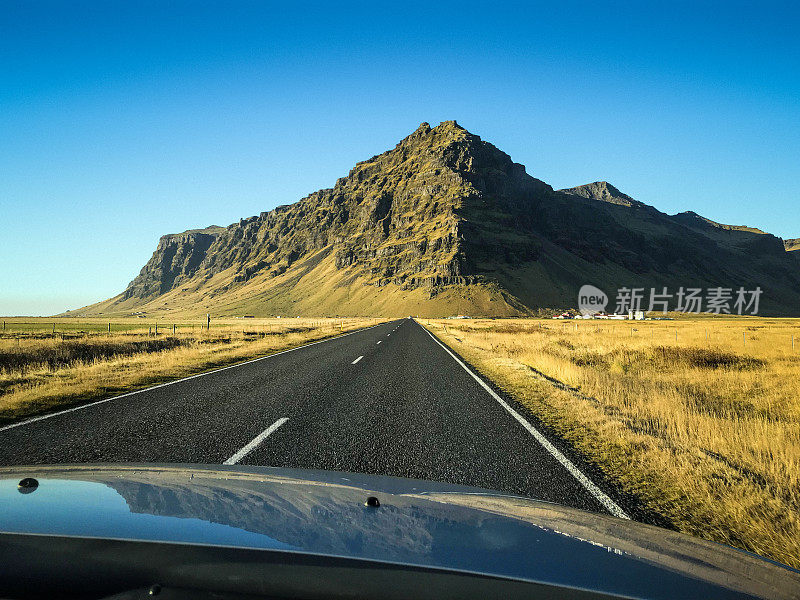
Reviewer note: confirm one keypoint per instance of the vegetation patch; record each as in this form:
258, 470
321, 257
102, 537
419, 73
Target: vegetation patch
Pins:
704, 358
55, 355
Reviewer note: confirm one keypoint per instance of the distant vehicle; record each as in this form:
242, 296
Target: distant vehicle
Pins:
203, 531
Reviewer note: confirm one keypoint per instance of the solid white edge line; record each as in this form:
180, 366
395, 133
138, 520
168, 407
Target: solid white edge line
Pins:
160, 385
356, 360
595, 491
255, 442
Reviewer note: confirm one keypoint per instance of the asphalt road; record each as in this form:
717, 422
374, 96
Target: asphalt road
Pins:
386, 400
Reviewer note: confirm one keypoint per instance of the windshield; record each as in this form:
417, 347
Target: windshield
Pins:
549, 252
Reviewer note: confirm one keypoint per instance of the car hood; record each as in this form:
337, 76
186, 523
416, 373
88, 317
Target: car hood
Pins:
417, 523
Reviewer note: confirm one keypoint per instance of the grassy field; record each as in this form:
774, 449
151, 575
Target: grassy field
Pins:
698, 418
47, 364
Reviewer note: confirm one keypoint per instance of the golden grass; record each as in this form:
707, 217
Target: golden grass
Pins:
311, 287
703, 428
45, 372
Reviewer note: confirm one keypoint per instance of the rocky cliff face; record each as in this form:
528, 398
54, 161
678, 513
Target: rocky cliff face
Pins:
447, 220
176, 259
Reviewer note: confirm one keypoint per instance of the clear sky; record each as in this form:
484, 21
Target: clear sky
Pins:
123, 121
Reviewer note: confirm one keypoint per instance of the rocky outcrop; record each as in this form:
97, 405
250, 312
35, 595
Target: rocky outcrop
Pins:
602, 191
176, 259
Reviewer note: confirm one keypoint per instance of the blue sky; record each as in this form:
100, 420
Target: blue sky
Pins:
123, 121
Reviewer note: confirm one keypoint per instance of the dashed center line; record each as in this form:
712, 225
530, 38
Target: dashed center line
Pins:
379, 341
356, 360
255, 443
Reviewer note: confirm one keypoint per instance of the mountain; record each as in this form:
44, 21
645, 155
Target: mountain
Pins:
792, 245
445, 223
605, 192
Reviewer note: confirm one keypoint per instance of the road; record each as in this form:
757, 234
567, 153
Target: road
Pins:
390, 399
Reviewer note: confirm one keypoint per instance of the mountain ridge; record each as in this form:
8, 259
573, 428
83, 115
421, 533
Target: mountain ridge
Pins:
442, 223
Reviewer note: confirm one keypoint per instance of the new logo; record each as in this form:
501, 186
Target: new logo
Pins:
591, 300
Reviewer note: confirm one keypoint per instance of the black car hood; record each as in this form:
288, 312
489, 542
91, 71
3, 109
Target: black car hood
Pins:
417, 523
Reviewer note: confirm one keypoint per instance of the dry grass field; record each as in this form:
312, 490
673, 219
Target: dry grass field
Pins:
699, 418
46, 364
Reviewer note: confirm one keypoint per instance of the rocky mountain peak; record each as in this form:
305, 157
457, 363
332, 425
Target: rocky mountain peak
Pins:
603, 191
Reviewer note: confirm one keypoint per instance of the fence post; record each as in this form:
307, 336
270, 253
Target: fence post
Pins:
156, 328
744, 338
109, 327
173, 329
208, 321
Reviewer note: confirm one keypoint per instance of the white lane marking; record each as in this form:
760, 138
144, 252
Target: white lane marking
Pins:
356, 360
256, 441
595, 491
379, 341
160, 385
